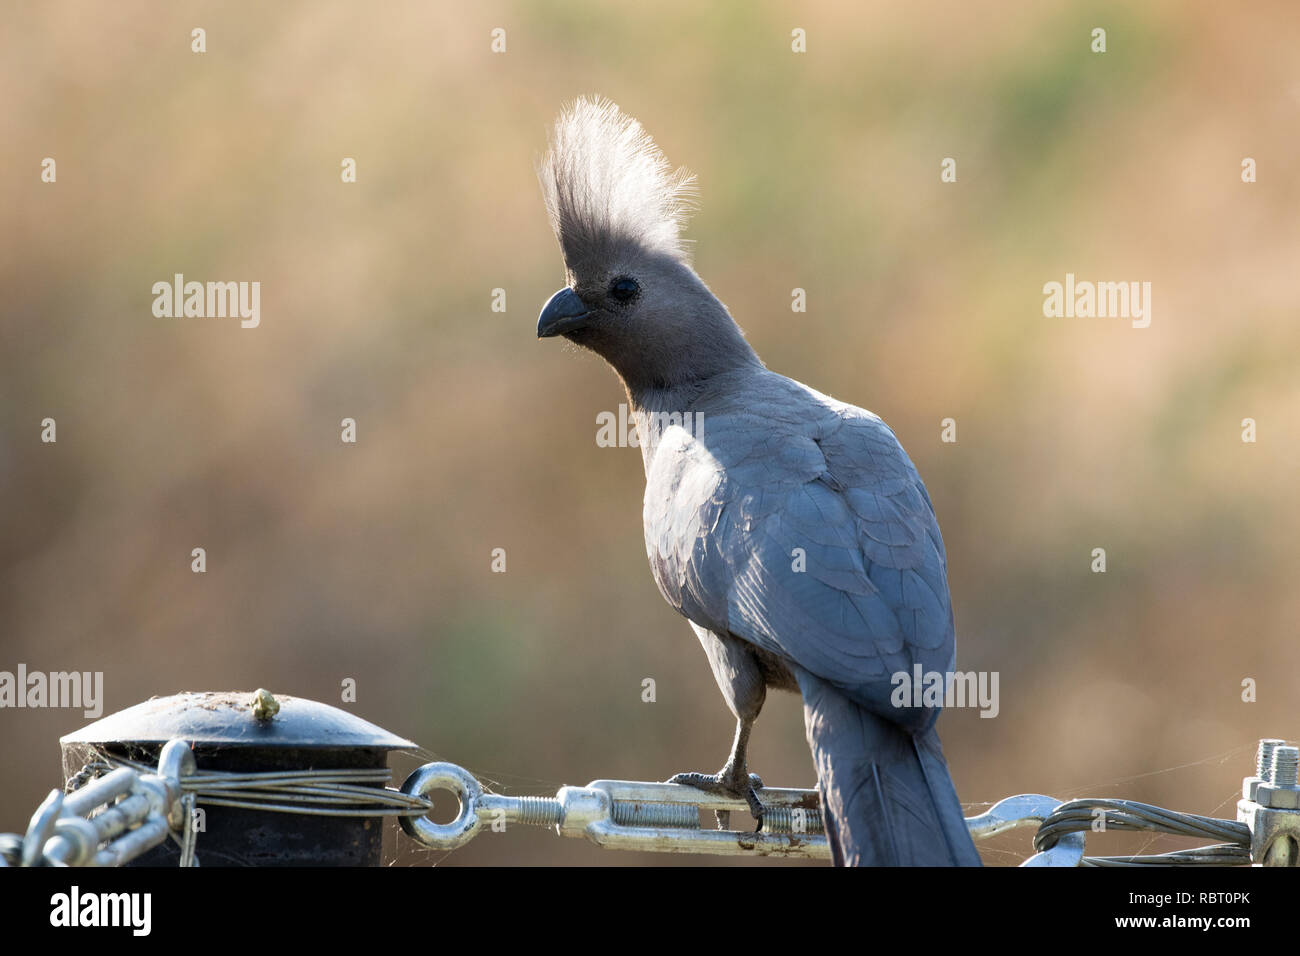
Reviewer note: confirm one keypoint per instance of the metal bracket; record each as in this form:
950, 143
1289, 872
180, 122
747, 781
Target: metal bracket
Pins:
1274, 833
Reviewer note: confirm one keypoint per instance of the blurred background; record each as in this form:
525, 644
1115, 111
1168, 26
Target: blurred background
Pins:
372, 561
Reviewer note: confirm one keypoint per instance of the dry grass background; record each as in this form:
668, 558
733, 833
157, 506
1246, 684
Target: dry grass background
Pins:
329, 561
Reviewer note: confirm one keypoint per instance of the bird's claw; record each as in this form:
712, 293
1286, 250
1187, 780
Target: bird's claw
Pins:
727, 784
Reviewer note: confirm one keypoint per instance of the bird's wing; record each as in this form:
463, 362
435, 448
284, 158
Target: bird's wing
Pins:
799, 524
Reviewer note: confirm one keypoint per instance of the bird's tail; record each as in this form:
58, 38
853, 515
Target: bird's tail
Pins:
887, 796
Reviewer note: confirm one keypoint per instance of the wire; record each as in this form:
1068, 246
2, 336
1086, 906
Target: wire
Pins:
349, 792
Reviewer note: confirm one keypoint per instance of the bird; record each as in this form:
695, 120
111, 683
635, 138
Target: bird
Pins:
791, 530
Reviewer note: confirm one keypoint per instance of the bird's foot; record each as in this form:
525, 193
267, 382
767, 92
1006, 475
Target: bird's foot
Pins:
730, 783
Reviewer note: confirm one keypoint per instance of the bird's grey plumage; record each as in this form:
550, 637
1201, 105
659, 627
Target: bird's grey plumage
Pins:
790, 529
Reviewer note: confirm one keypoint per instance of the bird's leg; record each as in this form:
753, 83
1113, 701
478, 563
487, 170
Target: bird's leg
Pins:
733, 780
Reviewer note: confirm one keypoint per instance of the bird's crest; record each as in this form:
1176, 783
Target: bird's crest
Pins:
607, 184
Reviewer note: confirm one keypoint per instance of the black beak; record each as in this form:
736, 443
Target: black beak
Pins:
563, 313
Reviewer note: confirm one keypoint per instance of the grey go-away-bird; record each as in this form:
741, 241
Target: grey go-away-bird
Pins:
791, 530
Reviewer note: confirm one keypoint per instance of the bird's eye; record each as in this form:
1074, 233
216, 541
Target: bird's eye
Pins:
624, 289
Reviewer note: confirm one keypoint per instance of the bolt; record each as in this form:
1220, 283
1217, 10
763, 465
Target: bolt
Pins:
794, 820
1286, 763
538, 811
629, 813
1264, 758
1282, 793
1263, 768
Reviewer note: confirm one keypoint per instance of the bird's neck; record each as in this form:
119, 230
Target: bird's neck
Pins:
657, 408
697, 347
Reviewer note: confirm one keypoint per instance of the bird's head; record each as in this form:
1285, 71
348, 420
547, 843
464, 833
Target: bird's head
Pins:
617, 208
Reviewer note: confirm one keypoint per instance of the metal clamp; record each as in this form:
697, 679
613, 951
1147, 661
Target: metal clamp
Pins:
1270, 805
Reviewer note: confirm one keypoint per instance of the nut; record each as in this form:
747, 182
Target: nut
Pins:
1278, 798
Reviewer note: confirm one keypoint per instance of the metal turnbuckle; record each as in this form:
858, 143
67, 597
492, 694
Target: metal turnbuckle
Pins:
665, 818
